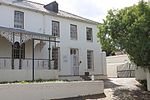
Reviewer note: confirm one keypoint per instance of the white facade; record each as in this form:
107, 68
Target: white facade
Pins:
40, 21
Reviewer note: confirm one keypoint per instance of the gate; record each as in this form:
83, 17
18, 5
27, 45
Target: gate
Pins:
126, 70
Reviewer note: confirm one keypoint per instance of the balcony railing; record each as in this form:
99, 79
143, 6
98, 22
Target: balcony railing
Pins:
6, 63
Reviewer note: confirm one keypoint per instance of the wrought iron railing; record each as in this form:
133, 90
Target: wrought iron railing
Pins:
6, 63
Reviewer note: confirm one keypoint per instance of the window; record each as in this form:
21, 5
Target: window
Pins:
90, 59
23, 51
73, 31
19, 19
55, 57
19, 50
73, 51
89, 34
55, 28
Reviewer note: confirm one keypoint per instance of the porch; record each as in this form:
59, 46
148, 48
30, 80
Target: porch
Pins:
27, 56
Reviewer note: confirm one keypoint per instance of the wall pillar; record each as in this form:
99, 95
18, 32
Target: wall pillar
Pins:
148, 80
104, 65
49, 57
32, 59
20, 52
12, 62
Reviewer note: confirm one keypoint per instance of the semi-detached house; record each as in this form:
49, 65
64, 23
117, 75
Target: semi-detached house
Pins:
40, 41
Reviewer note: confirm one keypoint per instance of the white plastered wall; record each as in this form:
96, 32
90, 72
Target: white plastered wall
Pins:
41, 23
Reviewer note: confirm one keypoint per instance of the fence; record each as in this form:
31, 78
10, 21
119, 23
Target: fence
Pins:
126, 70
6, 63
41, 70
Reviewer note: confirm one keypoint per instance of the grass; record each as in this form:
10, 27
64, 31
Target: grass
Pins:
29, 81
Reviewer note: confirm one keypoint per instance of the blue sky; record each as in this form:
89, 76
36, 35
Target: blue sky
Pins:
92, 9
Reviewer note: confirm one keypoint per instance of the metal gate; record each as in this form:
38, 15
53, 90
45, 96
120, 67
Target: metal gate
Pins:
126, 70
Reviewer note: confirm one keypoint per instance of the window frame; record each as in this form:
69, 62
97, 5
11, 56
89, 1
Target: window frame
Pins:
73, 32
56, 32
58, 58
92, 60
91, 37
16, 50
18, 19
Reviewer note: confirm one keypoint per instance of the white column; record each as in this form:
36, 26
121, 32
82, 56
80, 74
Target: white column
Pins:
104, 65
148, 80
140, 73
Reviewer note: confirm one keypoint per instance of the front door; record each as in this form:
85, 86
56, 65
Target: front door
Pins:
74, 54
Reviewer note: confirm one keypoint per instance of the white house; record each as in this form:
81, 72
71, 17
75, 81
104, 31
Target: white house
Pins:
42, 42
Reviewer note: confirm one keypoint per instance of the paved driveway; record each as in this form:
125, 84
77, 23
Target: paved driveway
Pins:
119, 89
124, 89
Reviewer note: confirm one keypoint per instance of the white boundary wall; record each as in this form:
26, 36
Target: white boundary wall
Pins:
113, 62
21, 75
47, 91
148, 80
140, 74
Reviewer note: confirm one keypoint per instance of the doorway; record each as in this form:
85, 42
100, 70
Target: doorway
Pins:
74, 55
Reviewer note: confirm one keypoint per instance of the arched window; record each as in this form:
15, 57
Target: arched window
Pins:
18, 49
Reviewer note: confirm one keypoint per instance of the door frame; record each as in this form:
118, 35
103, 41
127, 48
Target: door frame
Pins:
74, 69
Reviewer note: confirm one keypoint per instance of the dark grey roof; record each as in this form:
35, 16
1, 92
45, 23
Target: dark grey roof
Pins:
40, 7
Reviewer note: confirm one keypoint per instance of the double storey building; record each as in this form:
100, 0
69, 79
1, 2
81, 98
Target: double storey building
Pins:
40, 41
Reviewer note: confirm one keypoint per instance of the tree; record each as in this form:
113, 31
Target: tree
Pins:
129, 29
106, 40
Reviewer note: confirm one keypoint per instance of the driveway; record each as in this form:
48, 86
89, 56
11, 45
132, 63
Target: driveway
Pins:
119, 89
124, 89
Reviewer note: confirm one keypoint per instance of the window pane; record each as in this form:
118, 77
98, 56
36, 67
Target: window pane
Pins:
23, 51
90, 59
55, 28
73, 31
89, 34
19, 19
18, 49
55, 57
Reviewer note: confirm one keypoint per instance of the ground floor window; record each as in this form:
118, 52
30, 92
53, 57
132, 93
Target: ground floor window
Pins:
90, 59
18, 50
55, 57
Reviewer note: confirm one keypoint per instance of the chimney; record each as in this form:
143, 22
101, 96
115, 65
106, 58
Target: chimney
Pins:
53, 6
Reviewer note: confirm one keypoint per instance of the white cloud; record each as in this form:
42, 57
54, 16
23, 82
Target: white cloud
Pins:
91, 9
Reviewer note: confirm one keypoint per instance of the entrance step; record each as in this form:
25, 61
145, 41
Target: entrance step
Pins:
70, 78
86, 78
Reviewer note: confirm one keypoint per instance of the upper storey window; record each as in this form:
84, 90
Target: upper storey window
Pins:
73, 32
55, 28
19, 19
89, 34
